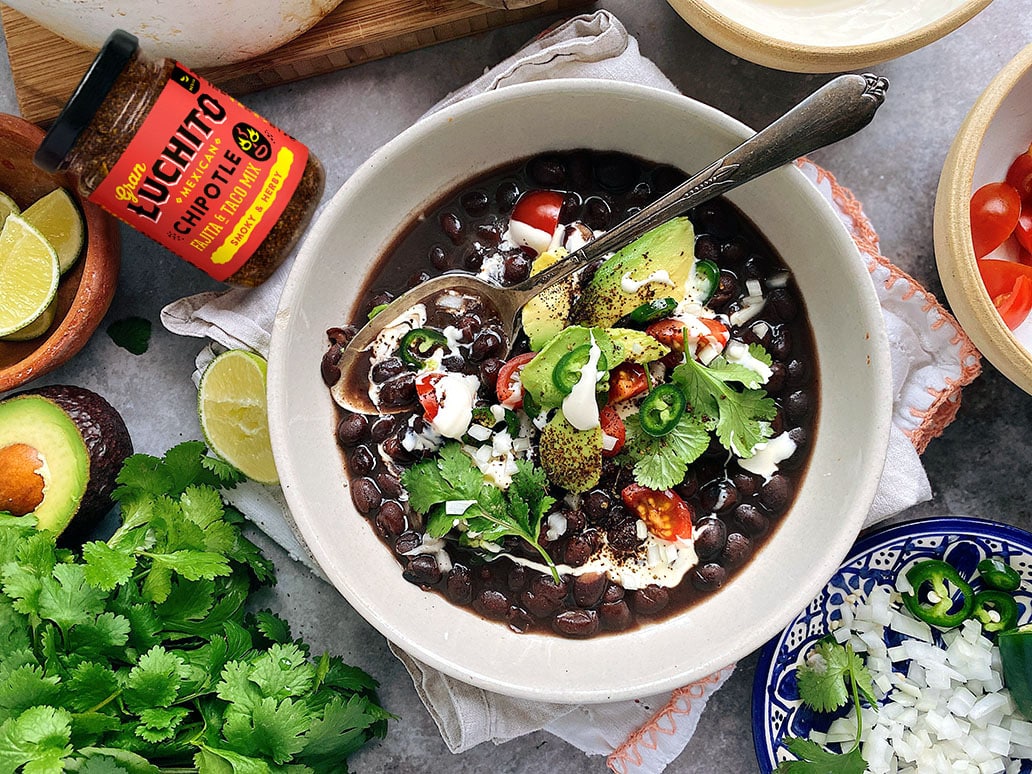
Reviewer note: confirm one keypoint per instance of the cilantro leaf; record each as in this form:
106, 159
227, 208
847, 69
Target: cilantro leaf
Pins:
40, 736
740, 418
271, 729
107, 567
661, 463
814, 759
824, 678
154, 681
131, 333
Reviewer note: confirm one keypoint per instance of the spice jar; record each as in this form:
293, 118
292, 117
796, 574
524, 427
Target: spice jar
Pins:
181, 161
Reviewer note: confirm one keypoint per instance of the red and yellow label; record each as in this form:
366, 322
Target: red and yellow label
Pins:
204, 176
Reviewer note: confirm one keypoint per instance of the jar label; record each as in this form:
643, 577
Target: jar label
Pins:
204, 176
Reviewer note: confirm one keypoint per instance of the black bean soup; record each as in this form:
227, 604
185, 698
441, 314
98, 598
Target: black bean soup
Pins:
732, 511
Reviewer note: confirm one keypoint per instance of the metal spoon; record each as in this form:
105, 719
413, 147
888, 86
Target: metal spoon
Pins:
838, 109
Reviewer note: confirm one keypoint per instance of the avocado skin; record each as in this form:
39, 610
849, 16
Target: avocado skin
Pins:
108, 444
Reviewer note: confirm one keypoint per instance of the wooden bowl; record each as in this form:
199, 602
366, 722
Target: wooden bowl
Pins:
996, 130
807, 37
86, 290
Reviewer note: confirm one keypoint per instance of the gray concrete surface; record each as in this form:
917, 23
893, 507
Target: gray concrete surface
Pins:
980, 465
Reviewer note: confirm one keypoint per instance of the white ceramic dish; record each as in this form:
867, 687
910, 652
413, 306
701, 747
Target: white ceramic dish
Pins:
997, 128
820, 36
363, 220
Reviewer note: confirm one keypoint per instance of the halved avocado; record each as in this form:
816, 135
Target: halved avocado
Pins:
61, 448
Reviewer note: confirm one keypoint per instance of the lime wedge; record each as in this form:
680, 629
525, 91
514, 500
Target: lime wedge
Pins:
7, 207
37, 327
233, 413
28, 274
58, 218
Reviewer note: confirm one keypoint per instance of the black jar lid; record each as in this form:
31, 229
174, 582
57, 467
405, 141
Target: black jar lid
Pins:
112, 58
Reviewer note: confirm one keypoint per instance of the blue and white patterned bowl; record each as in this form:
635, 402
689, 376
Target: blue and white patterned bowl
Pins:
876, 559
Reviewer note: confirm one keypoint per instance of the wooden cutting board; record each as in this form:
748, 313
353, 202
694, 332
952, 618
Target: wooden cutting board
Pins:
46, 68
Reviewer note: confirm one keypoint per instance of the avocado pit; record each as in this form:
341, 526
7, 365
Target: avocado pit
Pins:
23, 484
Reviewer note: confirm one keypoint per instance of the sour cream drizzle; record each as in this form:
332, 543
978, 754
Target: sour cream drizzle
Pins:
579, 407
630, 285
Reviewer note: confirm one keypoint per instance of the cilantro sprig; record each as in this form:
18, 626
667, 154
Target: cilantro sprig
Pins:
141, 657
739, 417
661, 463
831, 675
489, 514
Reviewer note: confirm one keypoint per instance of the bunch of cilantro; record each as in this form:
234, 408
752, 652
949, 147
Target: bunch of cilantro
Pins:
140, 657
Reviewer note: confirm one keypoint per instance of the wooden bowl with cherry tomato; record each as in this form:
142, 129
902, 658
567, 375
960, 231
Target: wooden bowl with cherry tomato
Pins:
983, 222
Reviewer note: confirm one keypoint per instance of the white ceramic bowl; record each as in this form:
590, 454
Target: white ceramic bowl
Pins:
363, 220
823, 36
997, 128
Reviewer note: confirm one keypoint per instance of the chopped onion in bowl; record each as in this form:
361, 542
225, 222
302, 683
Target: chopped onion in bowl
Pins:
945, 708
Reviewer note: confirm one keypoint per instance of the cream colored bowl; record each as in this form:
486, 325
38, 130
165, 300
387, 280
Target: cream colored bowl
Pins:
823, 36
995, 131
363, 220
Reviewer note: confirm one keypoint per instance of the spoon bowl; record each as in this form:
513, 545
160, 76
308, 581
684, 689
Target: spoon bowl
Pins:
838, 109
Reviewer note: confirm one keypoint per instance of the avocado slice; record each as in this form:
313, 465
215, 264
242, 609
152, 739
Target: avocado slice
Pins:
61, 448
669, 248
635, 346
571, 458
545, 315
536, 376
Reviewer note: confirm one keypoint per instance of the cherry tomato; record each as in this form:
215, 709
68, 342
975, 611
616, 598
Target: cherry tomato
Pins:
1023, 231
671, 333
626, 381
665, 514
1020, 175
1009, 284
995, 208
539, 209
612, 426
1014, 306
508, 389
427, 395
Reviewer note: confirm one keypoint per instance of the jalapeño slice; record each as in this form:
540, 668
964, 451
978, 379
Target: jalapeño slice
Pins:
419, 343
706, 280
935, 583
653, 310
996, 610
661, 410
568, 370
998, 574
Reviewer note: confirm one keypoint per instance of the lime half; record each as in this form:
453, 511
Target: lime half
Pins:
58, 218
234, 416
37, 327
29, 273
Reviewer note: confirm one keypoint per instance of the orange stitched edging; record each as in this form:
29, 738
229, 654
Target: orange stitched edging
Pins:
946, 401
663, 722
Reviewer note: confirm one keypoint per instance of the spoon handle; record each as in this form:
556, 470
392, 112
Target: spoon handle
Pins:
840, 108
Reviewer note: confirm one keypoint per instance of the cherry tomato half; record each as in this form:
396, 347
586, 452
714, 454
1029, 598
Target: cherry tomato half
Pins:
667, 516
508, 388
1023, 230
427, 395
995, 208
1015, 305
1020, 175
614, 427
671, 333
539, 209
1008, 284
626, 381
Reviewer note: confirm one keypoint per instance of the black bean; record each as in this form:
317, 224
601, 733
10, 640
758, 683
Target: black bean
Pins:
718, 496
776, 494
422, 570
351, 429
517, 577
736, 550
575, 521
473, 260
748, 484
755, 267
615, 616
780, 346
544, 597
516, 267
613, 593
641, 195
707, 248
616, 172
385, 369
407, 541
361, 461
750, 521
418, 278
459, 585
454, 363
475, 203
453, 227
798, 406
328, 367
399, 391
383, 428
776, 382
798, 372
506, 196
801, 439
519, 620
390, 521
341, 336
709, 577
667, 178
394, 449
577, 551
486, 344
689, 487
588, 588
782, 301
570, 211
714, 218
777, 424
365, 495
381, 298
596, 506
728, 289
488, 372
623, 534
735, 249
439, 257
491, 603
576, 623
547, 171
389, 484
709, 535
489, 234
650, 600
597, 213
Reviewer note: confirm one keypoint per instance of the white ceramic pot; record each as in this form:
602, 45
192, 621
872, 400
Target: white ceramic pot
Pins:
199, 33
